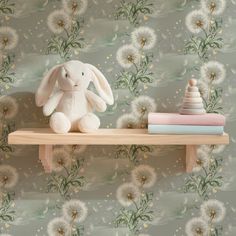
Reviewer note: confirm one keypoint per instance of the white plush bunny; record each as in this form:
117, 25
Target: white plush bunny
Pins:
73, 103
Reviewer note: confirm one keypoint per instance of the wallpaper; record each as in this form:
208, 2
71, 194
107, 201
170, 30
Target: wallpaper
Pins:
147, 50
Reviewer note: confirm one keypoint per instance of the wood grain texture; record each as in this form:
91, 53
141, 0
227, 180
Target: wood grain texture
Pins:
191, 157
45, 155
39, 136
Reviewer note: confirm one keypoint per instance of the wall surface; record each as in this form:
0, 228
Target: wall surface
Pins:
125, 190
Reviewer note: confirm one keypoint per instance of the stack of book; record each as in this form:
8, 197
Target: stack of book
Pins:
174, 123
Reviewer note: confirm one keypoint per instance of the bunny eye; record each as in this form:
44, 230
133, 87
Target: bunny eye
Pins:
66, 75
83, 73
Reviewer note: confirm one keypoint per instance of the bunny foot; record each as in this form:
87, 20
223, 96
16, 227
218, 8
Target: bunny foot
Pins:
60, 123
88, 123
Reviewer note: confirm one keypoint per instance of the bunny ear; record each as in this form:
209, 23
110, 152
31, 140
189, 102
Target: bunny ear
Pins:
101, 85
46, 87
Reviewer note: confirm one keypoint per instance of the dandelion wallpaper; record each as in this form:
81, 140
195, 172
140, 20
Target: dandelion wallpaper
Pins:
147, 50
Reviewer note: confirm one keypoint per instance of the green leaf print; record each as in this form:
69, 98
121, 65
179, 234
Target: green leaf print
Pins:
6, 7
6, 213
202, 45
131, 11
6, 75
205, 182
131, 152
64, 45
135, 217
64, 182
131, 80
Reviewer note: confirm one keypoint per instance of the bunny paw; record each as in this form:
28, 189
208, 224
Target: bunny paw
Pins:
88, 123
60, 123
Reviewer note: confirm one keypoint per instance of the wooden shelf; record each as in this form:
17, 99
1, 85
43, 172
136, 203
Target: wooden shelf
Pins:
38, 136
46, 138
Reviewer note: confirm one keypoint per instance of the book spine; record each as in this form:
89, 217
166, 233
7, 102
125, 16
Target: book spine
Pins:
197, 120
183, 129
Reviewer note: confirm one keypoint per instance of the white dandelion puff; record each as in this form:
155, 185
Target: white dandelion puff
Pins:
203, 88
127, 194
58, 21
143, 38
8, 176
214, 7
76, 7
213, 72
196, 227
127, 121
205, 147
143, 105
60, 159
8, 107
59, 227
196, 21
128, 55
144, 176
216, 149
75, 211
8, 38
202, 160
213, 210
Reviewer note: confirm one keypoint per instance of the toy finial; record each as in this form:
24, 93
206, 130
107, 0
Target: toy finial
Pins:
192, 82
192, 102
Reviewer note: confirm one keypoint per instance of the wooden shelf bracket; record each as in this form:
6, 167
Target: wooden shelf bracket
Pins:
45, 156
45, 138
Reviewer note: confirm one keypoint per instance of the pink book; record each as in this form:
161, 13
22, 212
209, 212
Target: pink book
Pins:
177, 119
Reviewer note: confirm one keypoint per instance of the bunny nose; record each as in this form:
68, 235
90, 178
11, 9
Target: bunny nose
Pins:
76, 84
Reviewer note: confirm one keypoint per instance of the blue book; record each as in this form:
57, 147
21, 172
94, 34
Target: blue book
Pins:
185, 129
